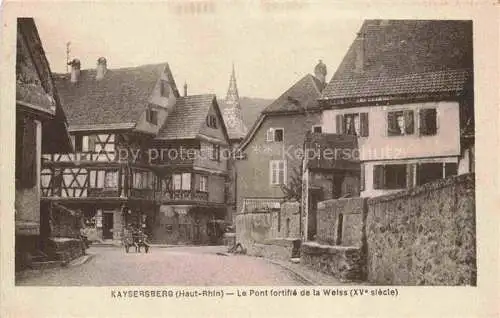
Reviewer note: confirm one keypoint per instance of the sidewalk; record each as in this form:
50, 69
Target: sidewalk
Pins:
310, 276
35, 272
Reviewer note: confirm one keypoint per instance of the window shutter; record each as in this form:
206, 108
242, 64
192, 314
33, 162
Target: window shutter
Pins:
378, 177
19, 148
339, 124
409, 175
362, 178
270, 135
392, 124
364, 124
29, 160
422, 122
408, 114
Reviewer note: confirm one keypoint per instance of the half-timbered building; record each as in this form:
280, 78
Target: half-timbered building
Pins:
125, 125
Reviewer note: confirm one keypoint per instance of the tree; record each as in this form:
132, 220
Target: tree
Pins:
293, 191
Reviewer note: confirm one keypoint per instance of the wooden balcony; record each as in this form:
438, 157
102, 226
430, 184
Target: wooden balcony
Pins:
182, 196
145, 194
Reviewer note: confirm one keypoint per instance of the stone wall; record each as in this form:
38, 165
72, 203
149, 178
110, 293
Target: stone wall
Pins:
424, 236
270, 234
348, 212
344, 262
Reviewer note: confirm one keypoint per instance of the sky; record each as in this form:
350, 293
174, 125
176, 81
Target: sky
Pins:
270, 48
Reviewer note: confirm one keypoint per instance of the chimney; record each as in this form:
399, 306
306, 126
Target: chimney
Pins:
75, 70
359, 63
320, 72
101, 68
185, 89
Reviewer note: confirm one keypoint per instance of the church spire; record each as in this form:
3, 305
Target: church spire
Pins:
232, 111
232, 92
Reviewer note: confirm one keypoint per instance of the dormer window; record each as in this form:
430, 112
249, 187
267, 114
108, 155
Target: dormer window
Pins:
212, 121
152, 116
164, 88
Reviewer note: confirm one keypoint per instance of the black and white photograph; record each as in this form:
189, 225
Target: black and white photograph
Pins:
179, 144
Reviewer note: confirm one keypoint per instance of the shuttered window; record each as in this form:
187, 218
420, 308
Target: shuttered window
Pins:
277, 170
352, 124
400, 123
275, 135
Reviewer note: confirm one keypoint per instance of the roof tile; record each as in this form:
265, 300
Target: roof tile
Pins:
186, 119
391, 57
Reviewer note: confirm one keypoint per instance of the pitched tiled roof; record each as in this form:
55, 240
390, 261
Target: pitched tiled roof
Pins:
301, 96
186, 119
119, 98
35, 87
398, 57
332, 151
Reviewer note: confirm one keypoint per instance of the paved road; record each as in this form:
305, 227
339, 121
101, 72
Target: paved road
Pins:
186, 266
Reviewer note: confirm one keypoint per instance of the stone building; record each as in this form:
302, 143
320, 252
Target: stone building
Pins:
40, 127
405, 89
271, 150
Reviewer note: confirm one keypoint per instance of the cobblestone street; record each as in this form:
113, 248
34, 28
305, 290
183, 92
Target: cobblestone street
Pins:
199, 266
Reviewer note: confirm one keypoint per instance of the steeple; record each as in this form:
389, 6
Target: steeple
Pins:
232, 92
232, 111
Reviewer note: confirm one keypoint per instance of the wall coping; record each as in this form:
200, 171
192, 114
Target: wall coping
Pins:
322, 204
428, 187
279, 241
334, 247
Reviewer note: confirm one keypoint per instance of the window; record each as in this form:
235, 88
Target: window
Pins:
278, 171
390, 176
182, 181
111, 179
164, 88
352, 124
202, 183
143, 180
428, 122
400, 123
97, 179
186, 181
317, 129
275, 134
177, 178
152, 116
428, 172
212, 121
215, 153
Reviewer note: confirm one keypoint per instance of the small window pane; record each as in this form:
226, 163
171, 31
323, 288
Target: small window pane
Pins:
186, 181
177, 181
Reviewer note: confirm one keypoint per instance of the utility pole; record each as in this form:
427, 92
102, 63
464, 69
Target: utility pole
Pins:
68, 50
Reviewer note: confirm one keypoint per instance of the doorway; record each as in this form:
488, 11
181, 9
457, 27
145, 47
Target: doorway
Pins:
107, 226
315, 195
